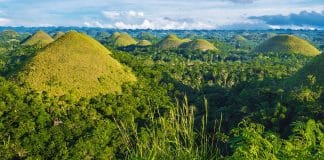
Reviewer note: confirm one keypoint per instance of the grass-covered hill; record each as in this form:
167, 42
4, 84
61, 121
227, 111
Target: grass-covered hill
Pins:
57, 35
287, 44
75, 62
122, 40
268, 35
144, 43
40, 38
146, 36
239, 38
310, 73
8, 34
115, 35
186, 40
198, 44
170, 42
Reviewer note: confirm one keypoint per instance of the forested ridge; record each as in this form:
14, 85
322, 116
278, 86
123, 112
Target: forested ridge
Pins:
229, 103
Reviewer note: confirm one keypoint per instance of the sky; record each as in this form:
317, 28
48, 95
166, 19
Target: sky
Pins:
165, 14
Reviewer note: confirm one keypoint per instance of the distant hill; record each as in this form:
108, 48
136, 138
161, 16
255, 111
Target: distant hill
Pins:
77, 63
240, 38
8, 34
198, 44
115, 35
170, 42
121, 40
314, 68
144, 43
102, 36
40, 37
57, 35
185, 40
287, 44
146, 36
268, 35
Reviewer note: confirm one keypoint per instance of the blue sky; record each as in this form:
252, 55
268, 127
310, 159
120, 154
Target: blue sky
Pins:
165, 14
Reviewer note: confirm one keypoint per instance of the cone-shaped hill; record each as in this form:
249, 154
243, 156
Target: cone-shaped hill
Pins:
314, 69
268, 35
115, 35
122, 40
287, 44
239, 38
77, 63
170, 42
57, 35
8, 34
146, 36
40, 37
198, 44
144, 43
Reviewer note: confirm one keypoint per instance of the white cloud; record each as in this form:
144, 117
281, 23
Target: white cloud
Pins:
4, 21
135, 14
145, 25
97, 24
122, 14
293, 27
111, 14
165, 24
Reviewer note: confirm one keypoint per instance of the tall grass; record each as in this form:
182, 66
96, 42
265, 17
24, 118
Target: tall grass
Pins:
172, 136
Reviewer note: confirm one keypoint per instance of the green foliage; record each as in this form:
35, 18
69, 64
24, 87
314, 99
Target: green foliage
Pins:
8, 34
312, 73
252, 110
251, 141
170, 136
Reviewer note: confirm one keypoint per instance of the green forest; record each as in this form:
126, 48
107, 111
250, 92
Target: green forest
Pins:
137, 94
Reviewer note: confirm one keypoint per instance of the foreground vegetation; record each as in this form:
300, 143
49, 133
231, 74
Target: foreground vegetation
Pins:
185, 104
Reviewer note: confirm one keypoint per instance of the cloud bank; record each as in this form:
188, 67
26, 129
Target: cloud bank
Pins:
303, 19
138, 20
4, 21
166, 14
242, 1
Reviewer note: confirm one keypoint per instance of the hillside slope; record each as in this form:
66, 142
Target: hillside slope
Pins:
40, 38
75, 63
198, 44
287, 44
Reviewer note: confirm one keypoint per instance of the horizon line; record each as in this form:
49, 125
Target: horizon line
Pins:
202, 29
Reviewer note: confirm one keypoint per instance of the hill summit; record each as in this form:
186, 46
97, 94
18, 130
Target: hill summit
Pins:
57, 35
40, 38
287, 44
122, 40
170, 42
198, 44
239, 38
144, 43
75, 63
